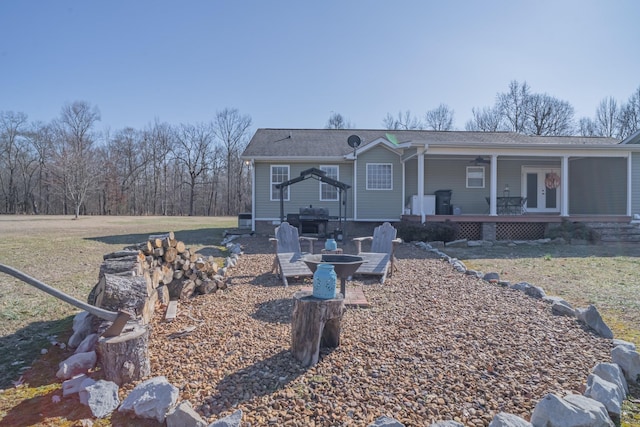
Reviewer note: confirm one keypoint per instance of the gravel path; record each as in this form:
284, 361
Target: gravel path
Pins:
435, 345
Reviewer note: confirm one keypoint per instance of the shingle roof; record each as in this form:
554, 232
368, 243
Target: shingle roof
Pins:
333, 142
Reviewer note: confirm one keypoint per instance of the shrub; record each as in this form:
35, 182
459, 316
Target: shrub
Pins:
573, 230
428, 232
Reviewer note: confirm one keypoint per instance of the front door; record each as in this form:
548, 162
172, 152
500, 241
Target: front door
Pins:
541, 187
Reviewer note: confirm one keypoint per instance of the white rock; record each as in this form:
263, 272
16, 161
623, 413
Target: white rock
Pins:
605, 392
151, 399
88, 344
630, 345
184, 415
232, 420
629, 362
81, 328
591, 317
73, 385
508, 420
102, 398
613, 373
78, 363
572, 411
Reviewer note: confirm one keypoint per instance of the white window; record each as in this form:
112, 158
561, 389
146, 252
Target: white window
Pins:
379, 176
475, 176
329, 192
279, 173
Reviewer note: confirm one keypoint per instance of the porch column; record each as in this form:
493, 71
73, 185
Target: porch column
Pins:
493, 186
629, 193
421, 183
564, 204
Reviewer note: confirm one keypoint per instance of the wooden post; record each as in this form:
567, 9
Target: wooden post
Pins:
315, 323
125, 358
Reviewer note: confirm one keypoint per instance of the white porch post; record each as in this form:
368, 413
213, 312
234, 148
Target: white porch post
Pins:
564, 204
493, 186
421, 183
629, 181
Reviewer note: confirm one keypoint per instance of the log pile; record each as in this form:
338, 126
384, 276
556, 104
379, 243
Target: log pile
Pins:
146, 276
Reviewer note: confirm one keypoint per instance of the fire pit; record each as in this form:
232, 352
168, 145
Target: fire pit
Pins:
344, 266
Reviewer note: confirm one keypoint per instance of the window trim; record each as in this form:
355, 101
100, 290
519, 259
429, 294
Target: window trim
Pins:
276, 197
484, 176
337, 178
390, 176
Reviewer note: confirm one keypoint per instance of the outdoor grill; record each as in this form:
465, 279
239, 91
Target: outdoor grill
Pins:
313, 220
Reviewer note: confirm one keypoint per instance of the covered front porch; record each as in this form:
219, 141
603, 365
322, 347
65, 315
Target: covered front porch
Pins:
518, 185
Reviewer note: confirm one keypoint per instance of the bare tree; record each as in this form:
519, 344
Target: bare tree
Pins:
630, 115
548, 116
587, 127
338, 121
231, 128
404, 121
487, 119
440, 118
192, 150
76, 168
11, 127
607, 118
513, 106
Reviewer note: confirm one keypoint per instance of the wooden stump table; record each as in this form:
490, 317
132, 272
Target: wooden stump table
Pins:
315, 322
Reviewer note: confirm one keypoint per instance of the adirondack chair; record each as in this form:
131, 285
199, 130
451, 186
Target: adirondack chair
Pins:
288, 261
381, 257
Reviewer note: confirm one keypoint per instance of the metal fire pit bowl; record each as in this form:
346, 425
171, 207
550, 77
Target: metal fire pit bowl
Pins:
344, 265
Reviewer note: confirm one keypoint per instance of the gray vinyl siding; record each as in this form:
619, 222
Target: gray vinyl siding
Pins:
379, 204
635, 183
598, 186
301, 194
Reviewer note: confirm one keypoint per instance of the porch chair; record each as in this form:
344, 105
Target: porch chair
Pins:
382, 252
288, 260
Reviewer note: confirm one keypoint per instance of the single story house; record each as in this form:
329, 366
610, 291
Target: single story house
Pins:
496, 185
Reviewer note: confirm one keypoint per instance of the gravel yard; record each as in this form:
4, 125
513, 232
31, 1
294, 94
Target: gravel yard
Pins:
435, 345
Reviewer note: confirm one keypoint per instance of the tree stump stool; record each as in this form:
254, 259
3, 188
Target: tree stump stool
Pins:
315, 322
125, 358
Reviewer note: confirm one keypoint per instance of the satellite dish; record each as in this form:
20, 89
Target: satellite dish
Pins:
354, 141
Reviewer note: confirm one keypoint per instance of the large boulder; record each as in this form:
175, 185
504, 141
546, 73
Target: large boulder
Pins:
590, 317
508, 420
629, 362
613, 373
184, 415
232, 420
386, 422
605, 392
101, 397
572, 411
151, 399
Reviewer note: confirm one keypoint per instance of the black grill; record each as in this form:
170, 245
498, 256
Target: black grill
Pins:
311, 220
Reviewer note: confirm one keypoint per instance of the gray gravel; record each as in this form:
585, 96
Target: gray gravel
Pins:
435, 345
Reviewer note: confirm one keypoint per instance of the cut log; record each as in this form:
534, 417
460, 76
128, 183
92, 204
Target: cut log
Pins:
122, 293
128, 267
125, 358
206, 287
315, 322
172, 311
170, 255
188, 288
180, 247
158, 252
163, 294
121, 254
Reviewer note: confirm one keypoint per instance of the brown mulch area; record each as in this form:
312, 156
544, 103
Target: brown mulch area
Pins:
435, 345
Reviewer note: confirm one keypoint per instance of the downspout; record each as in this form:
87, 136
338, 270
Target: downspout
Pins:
420, 151
355, 188
493, 186
564, 210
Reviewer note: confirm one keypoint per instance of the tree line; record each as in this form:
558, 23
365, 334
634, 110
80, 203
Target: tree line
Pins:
67, 167
519, 109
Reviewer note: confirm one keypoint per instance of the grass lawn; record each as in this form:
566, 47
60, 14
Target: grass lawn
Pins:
67, 254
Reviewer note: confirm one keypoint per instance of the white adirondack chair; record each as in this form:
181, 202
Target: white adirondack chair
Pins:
381, 255
288, 261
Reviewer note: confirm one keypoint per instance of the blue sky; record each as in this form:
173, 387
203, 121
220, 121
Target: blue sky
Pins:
292, 63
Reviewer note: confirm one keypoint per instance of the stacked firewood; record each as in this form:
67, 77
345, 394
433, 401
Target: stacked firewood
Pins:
148, 274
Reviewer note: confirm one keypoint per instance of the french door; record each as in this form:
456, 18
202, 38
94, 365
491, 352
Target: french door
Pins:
541, 187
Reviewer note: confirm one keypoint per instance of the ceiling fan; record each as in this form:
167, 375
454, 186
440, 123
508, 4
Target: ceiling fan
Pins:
480, 161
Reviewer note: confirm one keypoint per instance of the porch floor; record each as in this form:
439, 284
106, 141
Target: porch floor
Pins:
528, 217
